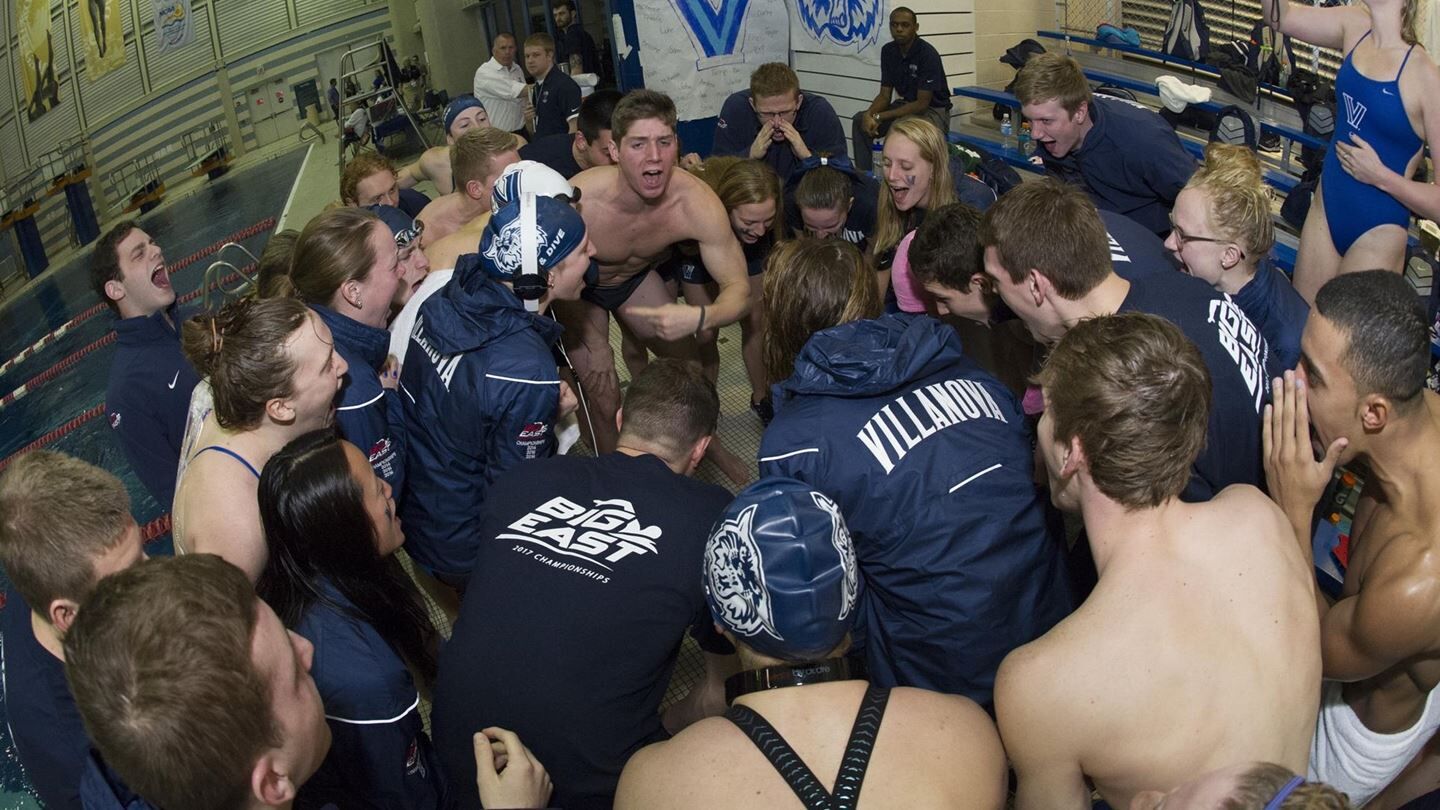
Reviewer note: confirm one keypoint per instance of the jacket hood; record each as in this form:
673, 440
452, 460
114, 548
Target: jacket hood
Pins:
473, 310
370, 343
871, 358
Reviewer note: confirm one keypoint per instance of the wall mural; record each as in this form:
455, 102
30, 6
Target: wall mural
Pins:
104, 41
700, 51
841, 27
37, 57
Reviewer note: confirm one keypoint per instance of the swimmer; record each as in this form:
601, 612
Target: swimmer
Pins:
636, 212
477, 157
275, 375
463, 114
1360, 387
1387, 103
370, 179
1222, 665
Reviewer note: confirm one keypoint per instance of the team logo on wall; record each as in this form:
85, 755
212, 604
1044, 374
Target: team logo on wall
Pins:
843, 22
714, 28
736, 577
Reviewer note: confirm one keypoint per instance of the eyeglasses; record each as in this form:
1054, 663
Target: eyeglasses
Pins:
1181, 238
777, 114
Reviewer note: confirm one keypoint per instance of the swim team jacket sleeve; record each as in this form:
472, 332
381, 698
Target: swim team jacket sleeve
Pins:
520, 417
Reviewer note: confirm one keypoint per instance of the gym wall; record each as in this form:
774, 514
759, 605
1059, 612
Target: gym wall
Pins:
146, 106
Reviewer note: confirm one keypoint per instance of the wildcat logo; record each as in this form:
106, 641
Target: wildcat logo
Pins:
1354, 111
844, 22
600, 535
714, 28
735, 577
504, 250
840, 539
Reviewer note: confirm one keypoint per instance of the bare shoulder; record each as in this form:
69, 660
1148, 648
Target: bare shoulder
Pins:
700, 209
954, 719
1246, 502
596, 180
659, 774
435, 156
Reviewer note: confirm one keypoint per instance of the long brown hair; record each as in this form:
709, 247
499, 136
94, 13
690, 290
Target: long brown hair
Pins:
889, 222
744, 181
242, 349
333, 248
813, 284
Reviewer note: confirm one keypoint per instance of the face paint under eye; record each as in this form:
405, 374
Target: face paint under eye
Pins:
910, 179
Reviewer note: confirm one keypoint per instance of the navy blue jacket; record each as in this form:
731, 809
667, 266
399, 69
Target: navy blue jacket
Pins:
1241, 366
1131, 162
1277, 311
930, 460
49, 736
102, 789
481, 393
148, 398
816, 122
379, 754
369, 415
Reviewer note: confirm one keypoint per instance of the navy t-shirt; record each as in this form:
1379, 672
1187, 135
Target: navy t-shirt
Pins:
1135, 251
1241, 367
553, 151
557, 100
573, 40
1277, 310
49, 735
909, 73
815, 120
581, 594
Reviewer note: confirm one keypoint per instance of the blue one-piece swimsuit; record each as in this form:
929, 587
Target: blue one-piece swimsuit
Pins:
1374, 111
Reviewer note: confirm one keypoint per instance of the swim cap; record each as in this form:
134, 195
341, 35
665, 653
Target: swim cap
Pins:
406, 229
458, 105
559, 230
780, 570
531, 176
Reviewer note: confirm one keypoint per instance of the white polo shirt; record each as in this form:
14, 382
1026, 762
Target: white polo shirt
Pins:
499, 89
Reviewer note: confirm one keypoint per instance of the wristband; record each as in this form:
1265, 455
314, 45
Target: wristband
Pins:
701, 325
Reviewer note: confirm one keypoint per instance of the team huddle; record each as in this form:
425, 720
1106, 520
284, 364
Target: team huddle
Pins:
1033, 523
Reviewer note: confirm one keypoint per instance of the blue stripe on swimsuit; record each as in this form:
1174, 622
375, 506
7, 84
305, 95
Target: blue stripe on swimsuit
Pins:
1374, 111
231, 453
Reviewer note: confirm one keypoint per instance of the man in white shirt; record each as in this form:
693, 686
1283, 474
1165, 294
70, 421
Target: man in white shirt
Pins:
499, 84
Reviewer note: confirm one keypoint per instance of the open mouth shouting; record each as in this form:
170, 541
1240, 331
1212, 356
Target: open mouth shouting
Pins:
160, 276
652, 180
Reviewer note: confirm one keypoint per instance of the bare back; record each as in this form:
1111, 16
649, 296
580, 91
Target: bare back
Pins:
1198, 649
216, 507
444, 216
1391, 599
631, 236
443, 253
932, 750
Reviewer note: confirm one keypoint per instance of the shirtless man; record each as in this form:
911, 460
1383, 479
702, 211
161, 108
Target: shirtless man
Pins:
462, 114
1198, 649
274, 371
477, 158
780, 578
635, 212
1360, 385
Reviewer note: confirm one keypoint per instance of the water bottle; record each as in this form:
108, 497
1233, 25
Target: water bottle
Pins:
1027, 145
1007, 130
877, 157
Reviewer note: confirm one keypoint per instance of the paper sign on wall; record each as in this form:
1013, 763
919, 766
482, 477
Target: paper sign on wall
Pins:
174, 24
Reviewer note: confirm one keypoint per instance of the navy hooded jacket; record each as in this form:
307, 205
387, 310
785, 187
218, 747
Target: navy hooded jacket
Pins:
1131, 162
148, 398
369, 415
480, 394
379, 754
1272, 304
930, 460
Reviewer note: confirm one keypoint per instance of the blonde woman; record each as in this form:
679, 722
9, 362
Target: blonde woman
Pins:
1221, 232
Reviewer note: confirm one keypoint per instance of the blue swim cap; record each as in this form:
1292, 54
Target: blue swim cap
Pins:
406, 228
458, 105
559, 230
780, 571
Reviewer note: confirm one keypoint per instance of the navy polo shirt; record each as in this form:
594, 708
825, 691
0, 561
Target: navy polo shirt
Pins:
557, 100
553, 151
49, 735
816, 122
909, 73
576, 39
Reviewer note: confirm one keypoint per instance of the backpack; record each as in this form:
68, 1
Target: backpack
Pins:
1116, 91
987, 168
1016, 57
1271, 55
1186, 34
1235, 126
